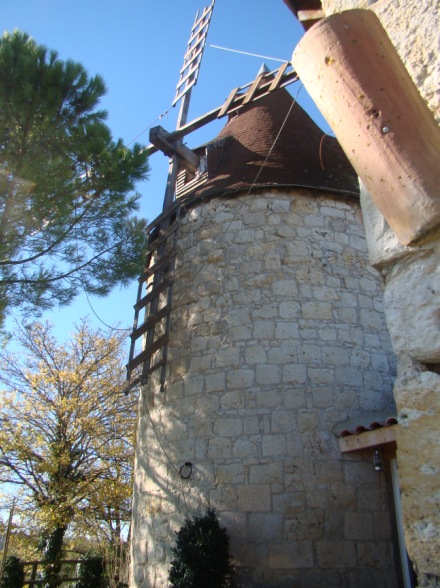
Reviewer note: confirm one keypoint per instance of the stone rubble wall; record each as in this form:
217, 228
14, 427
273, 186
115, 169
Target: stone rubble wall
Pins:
277, 335
412, 298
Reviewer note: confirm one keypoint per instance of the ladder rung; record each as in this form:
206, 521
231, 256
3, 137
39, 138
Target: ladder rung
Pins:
154, 293
189, 85
192, 71
205, 12
153, 269
192, 54
165, 215
147, 353
143, 379
162, 237
150, 322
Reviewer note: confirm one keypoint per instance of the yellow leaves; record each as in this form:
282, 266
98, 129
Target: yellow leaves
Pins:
23, 547
67, 428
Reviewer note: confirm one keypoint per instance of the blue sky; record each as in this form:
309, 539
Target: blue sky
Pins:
138, 46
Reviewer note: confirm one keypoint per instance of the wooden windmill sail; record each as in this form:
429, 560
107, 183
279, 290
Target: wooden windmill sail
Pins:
154, 298
187, 80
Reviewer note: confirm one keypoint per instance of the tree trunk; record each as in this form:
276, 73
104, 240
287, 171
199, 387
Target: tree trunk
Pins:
52, 554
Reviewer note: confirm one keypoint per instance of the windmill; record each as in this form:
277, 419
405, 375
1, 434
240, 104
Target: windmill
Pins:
154, 298
258, 339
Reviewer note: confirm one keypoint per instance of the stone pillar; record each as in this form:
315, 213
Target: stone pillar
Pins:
412, 297
351, 69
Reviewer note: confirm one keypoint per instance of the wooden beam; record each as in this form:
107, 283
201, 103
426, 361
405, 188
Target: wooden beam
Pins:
368, 439
253, 89
164, 141
277, 79
233, 102
224, 109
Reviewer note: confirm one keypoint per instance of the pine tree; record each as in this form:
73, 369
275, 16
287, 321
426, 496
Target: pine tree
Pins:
67, 204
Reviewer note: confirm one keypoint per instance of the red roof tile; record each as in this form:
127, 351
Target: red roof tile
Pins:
364, 424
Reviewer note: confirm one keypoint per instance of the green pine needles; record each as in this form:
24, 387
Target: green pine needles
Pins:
201, 554
67, 189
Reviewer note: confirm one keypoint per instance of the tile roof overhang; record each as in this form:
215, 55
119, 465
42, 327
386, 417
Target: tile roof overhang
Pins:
366, 432
274, 143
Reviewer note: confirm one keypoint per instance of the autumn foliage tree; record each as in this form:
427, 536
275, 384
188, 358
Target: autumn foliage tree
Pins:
67, 199
67, 433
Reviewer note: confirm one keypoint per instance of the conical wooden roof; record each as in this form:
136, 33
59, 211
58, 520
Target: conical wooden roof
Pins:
260, 147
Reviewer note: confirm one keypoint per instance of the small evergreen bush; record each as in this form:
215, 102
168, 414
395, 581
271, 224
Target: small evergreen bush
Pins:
13, 574
91, 573
202, 557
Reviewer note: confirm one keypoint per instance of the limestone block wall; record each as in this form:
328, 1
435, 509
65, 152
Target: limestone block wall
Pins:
277, 334
412, 298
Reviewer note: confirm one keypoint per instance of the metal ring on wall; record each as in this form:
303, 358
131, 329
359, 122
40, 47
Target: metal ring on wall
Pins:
186, 470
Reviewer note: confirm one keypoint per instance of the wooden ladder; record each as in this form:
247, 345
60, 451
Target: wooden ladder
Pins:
154, 300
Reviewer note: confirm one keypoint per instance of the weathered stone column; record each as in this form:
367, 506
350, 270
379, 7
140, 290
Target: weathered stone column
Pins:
412, 278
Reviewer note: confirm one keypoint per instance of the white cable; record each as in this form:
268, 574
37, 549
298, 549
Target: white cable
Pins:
247, 53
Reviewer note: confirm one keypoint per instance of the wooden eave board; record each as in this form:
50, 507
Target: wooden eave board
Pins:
368, 439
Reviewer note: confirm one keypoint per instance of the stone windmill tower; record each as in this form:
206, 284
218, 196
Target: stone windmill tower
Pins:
264, 331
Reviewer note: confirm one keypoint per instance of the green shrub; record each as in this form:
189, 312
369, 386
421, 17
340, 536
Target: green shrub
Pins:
91, 573
13, 574
202, 557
